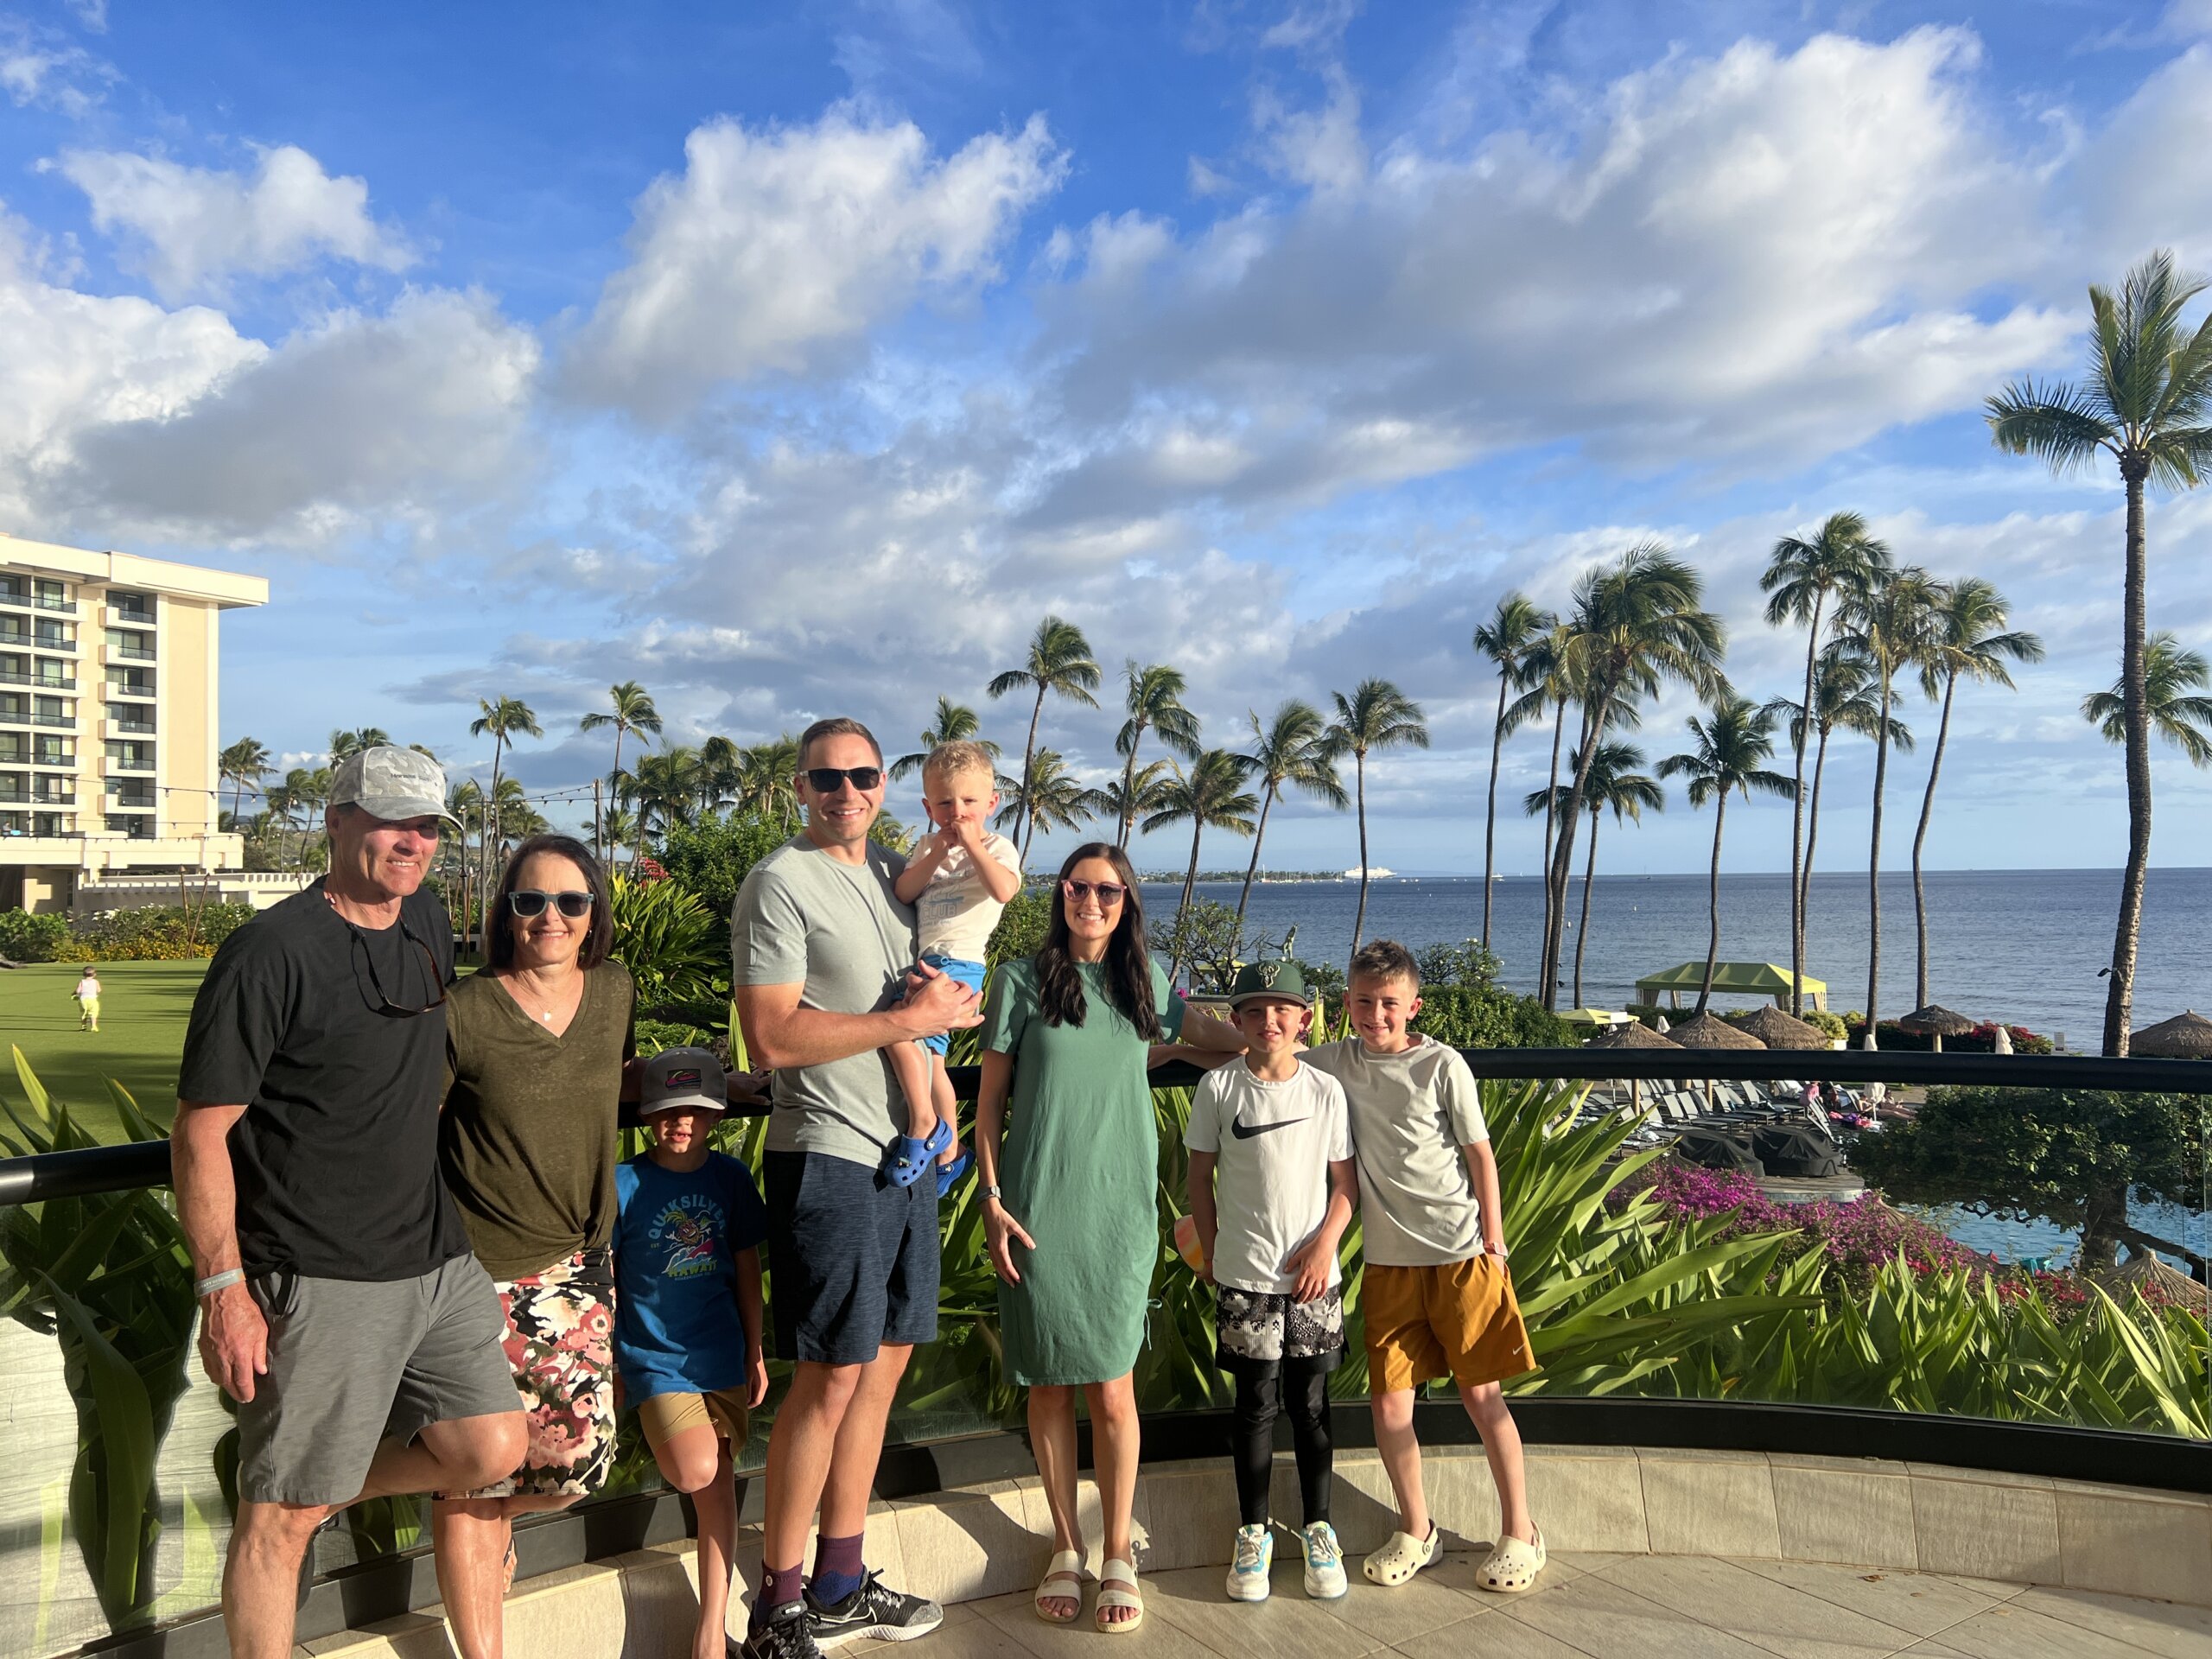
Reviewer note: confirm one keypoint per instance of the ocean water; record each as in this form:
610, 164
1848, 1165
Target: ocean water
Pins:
2020, 945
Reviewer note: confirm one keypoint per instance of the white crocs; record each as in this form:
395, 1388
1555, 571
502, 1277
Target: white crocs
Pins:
1513, 1565
1397, 1561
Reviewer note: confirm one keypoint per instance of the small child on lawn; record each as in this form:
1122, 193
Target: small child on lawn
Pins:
958, 879
1271, 1193
687, 1322
1437, 1295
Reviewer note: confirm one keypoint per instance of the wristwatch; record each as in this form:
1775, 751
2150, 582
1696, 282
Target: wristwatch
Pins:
992, 1190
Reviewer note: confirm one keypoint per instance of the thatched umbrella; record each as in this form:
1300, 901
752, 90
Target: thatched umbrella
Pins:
1935, 1022
1778, 1030
2185, 1036
1710, 1031
1635, 1035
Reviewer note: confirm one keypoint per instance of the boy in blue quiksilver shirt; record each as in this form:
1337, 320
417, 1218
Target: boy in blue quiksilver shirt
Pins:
687, 1324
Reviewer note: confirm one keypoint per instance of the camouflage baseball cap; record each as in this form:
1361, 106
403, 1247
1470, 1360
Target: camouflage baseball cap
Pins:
391, 784
1284, 982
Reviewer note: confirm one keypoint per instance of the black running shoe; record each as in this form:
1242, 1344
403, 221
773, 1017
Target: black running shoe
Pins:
785, 1636
873, 1611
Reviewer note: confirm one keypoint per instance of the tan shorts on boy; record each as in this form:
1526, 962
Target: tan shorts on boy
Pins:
663, 1416
1458, 1320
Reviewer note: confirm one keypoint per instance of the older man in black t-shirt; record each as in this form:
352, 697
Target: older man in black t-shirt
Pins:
341, 1307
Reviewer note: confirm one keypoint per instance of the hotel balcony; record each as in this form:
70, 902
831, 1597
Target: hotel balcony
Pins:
136, 724
112, 652
117, 616
143, 692
112, 765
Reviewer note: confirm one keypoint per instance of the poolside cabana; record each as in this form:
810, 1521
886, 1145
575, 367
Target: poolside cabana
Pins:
1761, 979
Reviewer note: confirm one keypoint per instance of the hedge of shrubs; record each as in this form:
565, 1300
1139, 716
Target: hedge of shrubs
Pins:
152, 933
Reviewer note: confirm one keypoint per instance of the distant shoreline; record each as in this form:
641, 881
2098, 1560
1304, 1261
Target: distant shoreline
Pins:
1286, 878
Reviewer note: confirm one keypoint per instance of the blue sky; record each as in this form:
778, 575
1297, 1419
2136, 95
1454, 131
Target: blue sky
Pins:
796, 361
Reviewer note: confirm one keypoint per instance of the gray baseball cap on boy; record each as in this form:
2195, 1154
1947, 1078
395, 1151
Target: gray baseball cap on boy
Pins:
391, 784
683, 1077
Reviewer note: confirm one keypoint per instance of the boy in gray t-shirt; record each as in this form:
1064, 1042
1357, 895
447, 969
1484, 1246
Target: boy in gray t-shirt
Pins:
1271, 1195
1437, 1294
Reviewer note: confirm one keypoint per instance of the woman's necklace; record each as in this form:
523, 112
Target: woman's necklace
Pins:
543, 1015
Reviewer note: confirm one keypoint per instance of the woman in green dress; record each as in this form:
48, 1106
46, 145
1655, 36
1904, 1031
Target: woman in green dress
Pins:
1070, 1198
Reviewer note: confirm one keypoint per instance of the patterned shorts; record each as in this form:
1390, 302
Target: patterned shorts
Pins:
1254, 1325
560, 1345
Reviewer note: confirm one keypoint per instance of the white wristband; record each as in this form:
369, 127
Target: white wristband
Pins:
215, 1281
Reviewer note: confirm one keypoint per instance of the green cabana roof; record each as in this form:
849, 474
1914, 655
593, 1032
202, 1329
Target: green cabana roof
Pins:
1753, 978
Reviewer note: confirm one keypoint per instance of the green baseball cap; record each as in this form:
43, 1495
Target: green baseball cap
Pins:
1284, 982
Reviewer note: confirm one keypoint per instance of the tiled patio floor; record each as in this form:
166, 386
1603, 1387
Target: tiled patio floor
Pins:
1600, 1607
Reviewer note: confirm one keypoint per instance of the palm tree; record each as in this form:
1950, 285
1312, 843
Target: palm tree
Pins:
632, 710
1890, 628
955, 723
1513, 628
1052, 797
719, 760
2169, 675
1292, 749
503, 722
1378, 715
1733, 739
1211, 795
344, 744
1627, 792
243, 766
1154, 699
2147, 403
1840, 703
1970, 642
766, 785
465, 800
665, 791
1059, 661
1802, 575
1547, 670
1114, 799
1633, 626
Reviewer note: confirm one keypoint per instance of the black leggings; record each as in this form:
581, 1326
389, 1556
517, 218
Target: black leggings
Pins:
1260, 1396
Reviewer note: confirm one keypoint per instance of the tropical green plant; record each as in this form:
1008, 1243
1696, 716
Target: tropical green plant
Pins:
1840, 560
768, 782
2170, 674
1970, 642
2147, 403
1059, 663
676, 949
1613, 785
1130, 797
1489, 1016
1513, 627
1890, 629
1022, 926
632, 711
109, 1278
1053, 797
711, 856
29, 936
345, 744
1210, 796
1291, 749
664, 790
1376, 716
1733, 737
1633, 626
1154, 699
955, 723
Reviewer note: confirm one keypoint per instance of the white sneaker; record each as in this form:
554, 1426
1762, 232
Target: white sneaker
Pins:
1248, 1565
1324, 1563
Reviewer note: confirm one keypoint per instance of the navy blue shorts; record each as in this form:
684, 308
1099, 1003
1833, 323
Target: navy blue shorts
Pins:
853, 1255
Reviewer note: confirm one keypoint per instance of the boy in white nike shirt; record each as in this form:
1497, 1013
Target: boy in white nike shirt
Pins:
1272, 1184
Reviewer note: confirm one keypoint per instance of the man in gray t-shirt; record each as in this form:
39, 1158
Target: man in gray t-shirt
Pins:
822, 952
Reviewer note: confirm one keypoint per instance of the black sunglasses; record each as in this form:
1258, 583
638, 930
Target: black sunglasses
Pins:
823, 780
401, 1009
528, 901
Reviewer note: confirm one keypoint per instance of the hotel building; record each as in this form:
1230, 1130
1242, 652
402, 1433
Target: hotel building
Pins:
108, 684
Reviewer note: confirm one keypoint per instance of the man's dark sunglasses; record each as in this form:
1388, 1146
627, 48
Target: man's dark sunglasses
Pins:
406, 1009
526, 902
823, 780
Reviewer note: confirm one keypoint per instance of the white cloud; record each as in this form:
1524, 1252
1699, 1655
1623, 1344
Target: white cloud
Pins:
38, 67
2130, 195
197, 227
774, 245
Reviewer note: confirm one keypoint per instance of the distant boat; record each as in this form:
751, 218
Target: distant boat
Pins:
1374, 874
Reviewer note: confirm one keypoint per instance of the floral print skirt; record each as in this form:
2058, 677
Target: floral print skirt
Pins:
560, 1344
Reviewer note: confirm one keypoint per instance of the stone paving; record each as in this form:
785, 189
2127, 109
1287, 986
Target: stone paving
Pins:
1597, 1606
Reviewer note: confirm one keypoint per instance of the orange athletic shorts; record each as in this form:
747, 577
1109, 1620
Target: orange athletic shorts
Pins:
1457, 1318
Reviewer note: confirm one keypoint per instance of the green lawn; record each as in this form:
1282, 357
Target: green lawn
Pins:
143, 1009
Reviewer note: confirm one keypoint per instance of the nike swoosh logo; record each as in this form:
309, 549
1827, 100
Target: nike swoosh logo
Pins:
1246, 1131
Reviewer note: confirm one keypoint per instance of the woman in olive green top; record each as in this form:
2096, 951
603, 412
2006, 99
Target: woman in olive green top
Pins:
535, 1044
1075, 1233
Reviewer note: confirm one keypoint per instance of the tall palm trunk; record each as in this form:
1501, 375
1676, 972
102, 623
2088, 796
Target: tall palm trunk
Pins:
1920, 840
1489, 820
598, 831
1798, 853
1267, 802
1713, 939
491, 829
1551, 803
2119, 999
1589, 880
1874, 865
1127, 826
1190, 886
1022, 821
1359, 916
1569, 835
1812, 829
1593, 722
